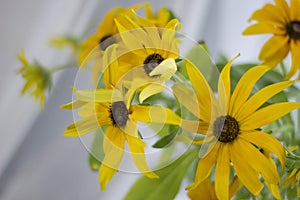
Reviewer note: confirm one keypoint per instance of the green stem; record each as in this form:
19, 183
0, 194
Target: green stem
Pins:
283, 69
61, 67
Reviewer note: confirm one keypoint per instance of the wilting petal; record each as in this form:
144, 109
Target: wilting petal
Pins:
244, 88
246, 174
260, 97
154, 114
265, 141
136, 147
205, 166
267, 115
222, 172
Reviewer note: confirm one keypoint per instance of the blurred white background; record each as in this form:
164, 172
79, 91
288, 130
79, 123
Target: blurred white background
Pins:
36, 161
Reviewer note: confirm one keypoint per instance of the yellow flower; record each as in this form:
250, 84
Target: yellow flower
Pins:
38, 78
206, 190
92, 48
293, 178
231, 128
112, 108
160, 19
149, 51
283, 22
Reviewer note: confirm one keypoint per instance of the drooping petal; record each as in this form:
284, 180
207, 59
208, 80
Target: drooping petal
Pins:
267, 115
150, 90
263, 28
113, 146
222, 172
224, 86
166, 69
154, 114
253, 157
244, 87
260, 97
205, 166
134, 86
234, 186
246, 174
272, 46
295, 51
136, 147
204, 191
265, 141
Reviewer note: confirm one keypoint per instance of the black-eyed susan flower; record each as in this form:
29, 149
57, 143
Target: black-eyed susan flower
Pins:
151, 49
233, 137
38, 78
283, 21
294, 178
206, 190
112, 108
94, 46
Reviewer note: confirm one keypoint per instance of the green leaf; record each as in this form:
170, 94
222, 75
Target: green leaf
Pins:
96, 154
165, 140
167, 186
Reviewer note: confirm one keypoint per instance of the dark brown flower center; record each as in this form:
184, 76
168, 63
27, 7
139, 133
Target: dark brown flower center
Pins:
151, 62
293, 30
119, 114
106, 41
226, 129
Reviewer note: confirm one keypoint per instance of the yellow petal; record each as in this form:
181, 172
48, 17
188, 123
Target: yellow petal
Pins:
258, 161
135, 85
246, 174
222, 172
136, 147
295, 51
265, 141
203, 191
283, 9
154, 114
267, 115
224, 86
259, 98
268, 13
274, 190
105, 175
113, 146
263, 28
181, 92
195, 126
272, 46
235, 186
84, 126
99, 95
73, 105
295, 5
203, 91
150, 90
244, 88
166, 69
205, 166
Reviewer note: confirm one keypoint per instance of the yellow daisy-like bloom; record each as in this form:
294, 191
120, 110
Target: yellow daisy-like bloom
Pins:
150, 50
38, 79
283, 21
94, 46
104, 107
206, 190
293, 178
231, 127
